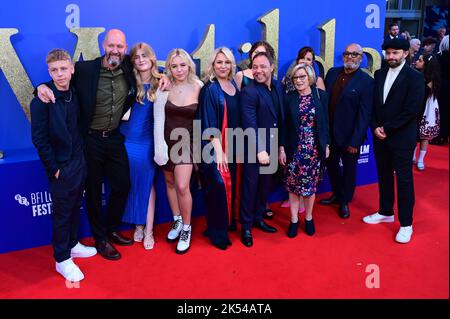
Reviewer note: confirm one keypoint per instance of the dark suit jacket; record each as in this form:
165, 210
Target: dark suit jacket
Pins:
258, 112
289, 129
353, 109
85, 81
49, 131
398, 115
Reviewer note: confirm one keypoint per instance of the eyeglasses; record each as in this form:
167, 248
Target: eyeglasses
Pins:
301, 78
347, 54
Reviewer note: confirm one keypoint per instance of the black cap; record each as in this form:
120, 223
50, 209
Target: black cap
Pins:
396, 43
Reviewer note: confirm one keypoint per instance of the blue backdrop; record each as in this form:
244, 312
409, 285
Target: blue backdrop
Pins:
43, 25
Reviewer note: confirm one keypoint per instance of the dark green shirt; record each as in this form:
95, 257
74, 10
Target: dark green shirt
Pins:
112, 92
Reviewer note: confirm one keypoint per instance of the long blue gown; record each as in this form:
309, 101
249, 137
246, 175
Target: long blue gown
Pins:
139, 143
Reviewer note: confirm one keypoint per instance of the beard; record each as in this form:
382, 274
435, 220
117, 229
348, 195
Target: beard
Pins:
351, 66
114, 59
395, 63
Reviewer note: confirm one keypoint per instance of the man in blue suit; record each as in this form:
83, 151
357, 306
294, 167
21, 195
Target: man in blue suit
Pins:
350, 107
261, 104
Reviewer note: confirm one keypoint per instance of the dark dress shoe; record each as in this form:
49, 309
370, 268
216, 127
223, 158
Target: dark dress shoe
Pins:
292, 230
309, 227
247, 238
329, 200
267, 214
265, 227
221, 245
344, 212
233, 225
120, 240
107, 251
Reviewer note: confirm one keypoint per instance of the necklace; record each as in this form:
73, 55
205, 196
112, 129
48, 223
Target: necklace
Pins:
70, 97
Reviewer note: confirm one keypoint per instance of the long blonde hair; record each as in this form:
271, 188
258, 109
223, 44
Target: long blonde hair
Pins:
154, 74
192, 77
210, 74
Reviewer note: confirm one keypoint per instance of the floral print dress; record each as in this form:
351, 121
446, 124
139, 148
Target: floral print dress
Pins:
302, 173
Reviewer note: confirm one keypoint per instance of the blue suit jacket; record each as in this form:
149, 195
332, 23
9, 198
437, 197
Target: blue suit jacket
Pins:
258, 112
353, 110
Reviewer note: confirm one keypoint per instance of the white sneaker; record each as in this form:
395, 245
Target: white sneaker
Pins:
420, 166
404, 234
69, 270
184, 242
378, 218
175, 230
82, 251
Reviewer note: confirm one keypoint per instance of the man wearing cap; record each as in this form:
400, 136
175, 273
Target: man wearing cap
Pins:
398, 94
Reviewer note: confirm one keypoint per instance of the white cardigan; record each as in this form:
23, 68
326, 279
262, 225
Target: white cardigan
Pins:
161, 150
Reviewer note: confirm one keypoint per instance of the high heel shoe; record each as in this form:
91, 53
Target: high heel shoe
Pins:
138, 234
149, 241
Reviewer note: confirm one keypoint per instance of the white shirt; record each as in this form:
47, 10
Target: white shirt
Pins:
390, 78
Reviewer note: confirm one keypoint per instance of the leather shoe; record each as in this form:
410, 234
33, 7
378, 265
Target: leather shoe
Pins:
265, 227
107, 251
344, 211
329, 200
120, 240
247, 238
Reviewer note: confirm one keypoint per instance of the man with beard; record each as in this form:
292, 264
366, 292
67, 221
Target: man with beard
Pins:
398, 94
106, 89
350, 107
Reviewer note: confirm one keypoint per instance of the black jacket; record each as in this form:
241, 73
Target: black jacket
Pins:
398, 115
85, 80
353, 109
49, 131
289, 131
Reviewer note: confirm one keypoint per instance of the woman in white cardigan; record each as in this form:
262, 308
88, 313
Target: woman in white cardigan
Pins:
174, 114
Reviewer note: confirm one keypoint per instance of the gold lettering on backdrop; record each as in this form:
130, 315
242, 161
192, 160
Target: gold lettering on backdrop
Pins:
88, 46
327, 38
373, 61
14, 72
87, 43
271, 30
206, 48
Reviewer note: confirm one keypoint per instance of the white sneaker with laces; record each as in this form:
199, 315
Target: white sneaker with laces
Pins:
69, 270
175, 230
378, 218
82, 251
184, 242
404, 235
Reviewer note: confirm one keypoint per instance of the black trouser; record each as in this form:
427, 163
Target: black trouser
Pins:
342, 179
398, 159
255, 190
67, 192
106, 157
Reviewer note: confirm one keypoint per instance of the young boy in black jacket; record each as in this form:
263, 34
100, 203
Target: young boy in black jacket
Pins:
56, 136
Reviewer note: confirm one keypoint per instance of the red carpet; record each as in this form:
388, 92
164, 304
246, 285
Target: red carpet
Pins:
331, 264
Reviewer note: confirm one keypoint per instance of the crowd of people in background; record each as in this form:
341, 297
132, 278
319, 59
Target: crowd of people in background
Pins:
124, 131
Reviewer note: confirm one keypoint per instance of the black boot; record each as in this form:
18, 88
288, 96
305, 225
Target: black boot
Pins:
309, 227
292, 230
